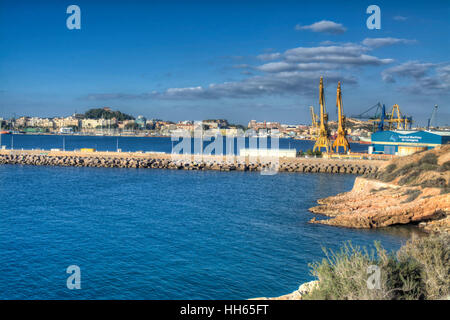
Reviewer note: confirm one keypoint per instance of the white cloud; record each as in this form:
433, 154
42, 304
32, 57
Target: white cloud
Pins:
302, 83
280, 66
400, 18
381, 42
296, 71
427, 78
269, 56
324, 26
344, 55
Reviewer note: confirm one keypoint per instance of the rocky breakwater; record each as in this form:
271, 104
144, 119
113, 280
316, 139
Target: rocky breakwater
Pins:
413, 189
166, 161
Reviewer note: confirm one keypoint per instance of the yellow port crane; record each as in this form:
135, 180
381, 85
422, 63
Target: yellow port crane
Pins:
315, 125
323, 140
341, 138
396, 120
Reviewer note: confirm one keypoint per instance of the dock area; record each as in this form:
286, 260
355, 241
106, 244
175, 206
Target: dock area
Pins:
186, 162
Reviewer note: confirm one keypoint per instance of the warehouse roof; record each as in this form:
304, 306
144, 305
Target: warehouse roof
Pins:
439, 133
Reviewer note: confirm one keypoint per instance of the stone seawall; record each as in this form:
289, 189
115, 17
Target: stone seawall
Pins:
180, 162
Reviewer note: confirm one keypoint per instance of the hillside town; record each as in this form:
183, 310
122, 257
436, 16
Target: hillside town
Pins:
105, 121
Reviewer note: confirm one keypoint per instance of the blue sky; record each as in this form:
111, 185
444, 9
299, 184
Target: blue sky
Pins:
238, 60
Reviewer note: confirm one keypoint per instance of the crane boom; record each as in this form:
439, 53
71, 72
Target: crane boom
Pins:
433, 117
341, 139
315, 126
323, 141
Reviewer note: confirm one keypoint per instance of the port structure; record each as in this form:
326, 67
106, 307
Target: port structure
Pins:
323, 140
432, 119
315, 125
341, 138
396, 120
379, 118
383, 120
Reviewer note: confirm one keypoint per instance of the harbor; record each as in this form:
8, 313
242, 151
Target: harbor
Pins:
201, 154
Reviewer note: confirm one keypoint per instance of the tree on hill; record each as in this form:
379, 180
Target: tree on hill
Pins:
106, 113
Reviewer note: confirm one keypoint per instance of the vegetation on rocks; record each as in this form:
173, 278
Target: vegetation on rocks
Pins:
444, 167
413, 172
419, 270
102, 113
412, 195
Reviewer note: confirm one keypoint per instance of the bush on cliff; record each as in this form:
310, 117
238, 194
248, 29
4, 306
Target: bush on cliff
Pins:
409, 173
433, 255
387, 174
412, 195
419, 270
429, 158
435, 183
390, 168
445, 166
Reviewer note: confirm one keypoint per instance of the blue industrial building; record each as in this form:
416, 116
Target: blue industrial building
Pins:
407, 142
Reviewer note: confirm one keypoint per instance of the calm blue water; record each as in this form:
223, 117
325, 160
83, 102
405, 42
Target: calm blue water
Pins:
105, 143
162, 234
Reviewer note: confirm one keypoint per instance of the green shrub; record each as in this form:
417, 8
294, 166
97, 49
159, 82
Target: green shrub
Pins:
419, 270
429, 158
317, 153
412, 195
433, 255
434, 183
387, 176
409, 178
404, 280
343, 275
445, 166
412, 171
390, 168
406, 168
428, 167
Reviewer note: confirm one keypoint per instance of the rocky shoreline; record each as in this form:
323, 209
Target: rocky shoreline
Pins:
165, 161
409, 190
373, 204
298, 294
